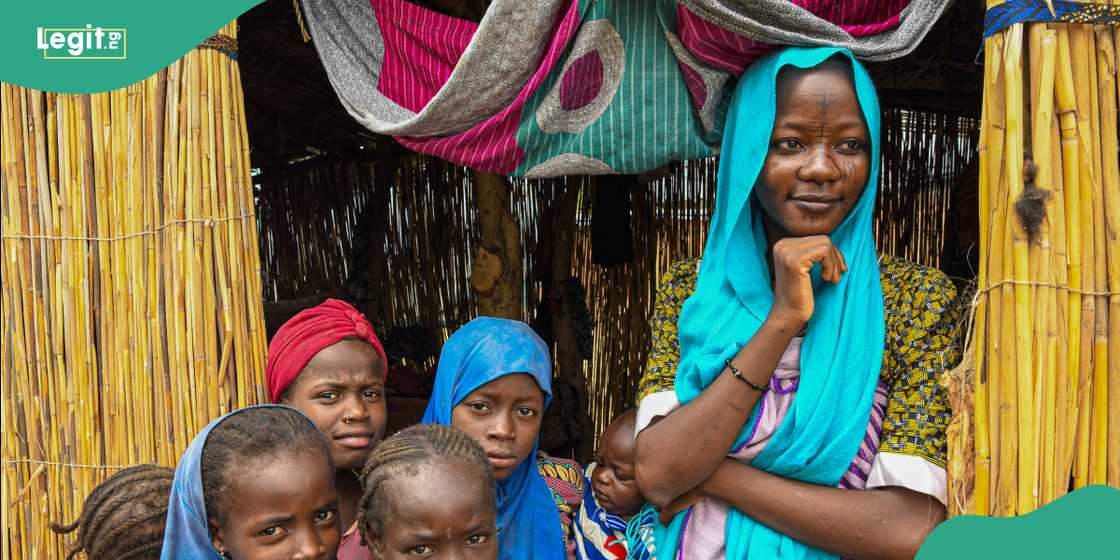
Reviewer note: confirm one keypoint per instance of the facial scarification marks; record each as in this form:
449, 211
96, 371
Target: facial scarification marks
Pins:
823, 116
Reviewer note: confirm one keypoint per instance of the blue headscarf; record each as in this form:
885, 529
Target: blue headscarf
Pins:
484, 350
843, 348
187, 533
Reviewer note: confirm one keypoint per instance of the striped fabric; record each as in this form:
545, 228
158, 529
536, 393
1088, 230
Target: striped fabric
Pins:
776, 402
490, 145
422, 47
553, 87
703, 534
727, 50
856, 477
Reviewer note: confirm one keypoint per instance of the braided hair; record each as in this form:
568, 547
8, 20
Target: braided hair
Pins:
402, 455
124, 516
247, 438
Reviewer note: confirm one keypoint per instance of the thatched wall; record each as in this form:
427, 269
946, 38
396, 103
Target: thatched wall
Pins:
421, 229
131, 297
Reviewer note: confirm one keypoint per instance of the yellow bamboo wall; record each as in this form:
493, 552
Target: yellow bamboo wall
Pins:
1045, 416
131, 294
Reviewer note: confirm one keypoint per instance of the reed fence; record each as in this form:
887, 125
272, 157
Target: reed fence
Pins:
131, 296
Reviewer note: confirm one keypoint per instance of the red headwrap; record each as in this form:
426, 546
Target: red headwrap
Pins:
310, 331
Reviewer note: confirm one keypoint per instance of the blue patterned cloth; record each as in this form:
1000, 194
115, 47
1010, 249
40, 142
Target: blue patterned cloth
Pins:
1011, 12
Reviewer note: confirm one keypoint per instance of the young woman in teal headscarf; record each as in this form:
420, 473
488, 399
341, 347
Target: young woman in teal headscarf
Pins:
790, 300
494, 381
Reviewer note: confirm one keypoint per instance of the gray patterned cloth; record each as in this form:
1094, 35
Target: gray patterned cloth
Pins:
543, 88
780, 22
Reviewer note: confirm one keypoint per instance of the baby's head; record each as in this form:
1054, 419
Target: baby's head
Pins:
429, 491
613, 481
124, 516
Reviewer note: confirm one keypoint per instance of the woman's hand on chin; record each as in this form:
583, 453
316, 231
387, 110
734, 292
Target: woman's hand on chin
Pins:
793, 258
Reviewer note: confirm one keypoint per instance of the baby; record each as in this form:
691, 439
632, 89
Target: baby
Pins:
611, 495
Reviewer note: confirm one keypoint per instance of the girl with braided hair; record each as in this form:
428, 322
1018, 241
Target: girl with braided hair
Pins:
429, 492
123, 518
493, 381
257, 484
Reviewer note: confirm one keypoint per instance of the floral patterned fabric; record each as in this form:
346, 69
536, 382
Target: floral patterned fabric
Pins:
564, 478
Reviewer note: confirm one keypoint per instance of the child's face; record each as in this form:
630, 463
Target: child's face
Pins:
819, 160
504, 417
284, 508
443, 511
613, 482
342, 390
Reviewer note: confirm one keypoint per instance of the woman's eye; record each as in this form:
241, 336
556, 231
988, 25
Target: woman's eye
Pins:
476, 539
324, 515
851, 145
788, 144
479, 407
421, 550
328, 395
371, 394
526, 411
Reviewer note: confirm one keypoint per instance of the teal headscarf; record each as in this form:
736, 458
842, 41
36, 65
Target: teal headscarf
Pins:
843, 348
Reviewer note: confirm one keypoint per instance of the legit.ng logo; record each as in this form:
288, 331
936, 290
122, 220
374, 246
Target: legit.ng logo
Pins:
88, 43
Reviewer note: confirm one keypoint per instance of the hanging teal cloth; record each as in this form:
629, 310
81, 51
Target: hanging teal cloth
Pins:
843, 348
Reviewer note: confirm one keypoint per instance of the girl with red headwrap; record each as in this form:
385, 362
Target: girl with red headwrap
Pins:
327, 362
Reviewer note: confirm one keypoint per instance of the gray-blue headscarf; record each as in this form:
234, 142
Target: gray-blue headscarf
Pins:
187, 533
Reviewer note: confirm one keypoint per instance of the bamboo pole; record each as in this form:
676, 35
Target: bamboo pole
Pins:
110, 226
1053, 413
1071, 173
1024, 417
1044, 48
984, 358
1106, 389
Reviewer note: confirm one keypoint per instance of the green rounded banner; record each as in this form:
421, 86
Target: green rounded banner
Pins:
1082, 524
71, 46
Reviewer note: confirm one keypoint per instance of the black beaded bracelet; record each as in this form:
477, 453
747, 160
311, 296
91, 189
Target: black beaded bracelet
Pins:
739, 375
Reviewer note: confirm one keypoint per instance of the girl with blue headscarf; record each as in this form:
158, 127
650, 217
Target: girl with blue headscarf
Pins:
255, 483
794, 363
494, 381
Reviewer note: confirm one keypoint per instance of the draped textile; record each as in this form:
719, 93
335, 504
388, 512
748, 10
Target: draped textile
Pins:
554, 87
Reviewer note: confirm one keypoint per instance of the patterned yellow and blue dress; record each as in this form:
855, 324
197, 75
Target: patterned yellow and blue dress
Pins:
564, 478
921, 322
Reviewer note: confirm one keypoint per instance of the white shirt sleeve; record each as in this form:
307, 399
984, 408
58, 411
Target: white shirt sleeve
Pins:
908, 471
654, 405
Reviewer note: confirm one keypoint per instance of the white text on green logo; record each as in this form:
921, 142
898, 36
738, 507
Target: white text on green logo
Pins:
90, 43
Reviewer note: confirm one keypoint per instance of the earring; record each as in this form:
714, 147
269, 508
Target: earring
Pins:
224, 553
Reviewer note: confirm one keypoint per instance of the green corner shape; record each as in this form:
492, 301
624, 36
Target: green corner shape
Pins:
152, 35
1082, 524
